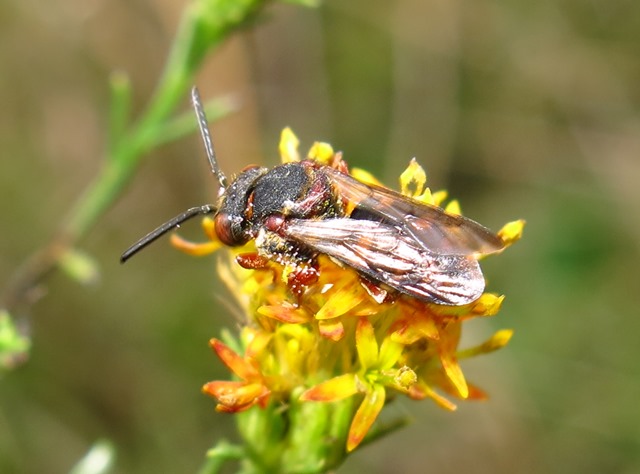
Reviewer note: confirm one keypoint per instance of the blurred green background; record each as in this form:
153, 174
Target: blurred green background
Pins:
521, 109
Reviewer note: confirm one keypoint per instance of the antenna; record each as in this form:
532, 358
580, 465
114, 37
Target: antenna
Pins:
194, 211
206, 138
166, 227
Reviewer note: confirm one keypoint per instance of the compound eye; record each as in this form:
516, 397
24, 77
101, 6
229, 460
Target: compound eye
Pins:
229, 230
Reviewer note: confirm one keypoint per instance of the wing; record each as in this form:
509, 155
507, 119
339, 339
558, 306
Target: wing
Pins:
386, 255
432, 228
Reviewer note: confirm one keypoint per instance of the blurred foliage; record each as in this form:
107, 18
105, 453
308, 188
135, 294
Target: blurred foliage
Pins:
520, 109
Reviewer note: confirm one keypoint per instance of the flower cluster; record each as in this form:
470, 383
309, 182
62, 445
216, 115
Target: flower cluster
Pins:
335, 339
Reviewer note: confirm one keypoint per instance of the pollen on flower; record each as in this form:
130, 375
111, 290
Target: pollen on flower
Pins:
319, 331
405, 377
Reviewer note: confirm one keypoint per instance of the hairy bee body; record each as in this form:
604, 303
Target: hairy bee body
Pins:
297, 211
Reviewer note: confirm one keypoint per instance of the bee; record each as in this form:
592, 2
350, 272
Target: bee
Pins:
296, 211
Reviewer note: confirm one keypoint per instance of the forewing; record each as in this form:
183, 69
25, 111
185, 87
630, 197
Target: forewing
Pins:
433, 229
386, 255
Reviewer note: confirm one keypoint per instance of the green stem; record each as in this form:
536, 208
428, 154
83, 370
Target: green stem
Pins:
204, 25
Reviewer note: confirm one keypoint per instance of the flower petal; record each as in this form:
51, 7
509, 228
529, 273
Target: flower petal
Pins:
410, 330
337, 388
321, 152
364, 176
366, 343
476, 393
196, 249
209, 228
512, 231
365, 416
453, 208
439, 197
487, 305
237, 364
331, 329
288, 146
390, 352
422, 391
256, 341
342, 300
497, 341
235, 396
413, 179
454, 373
285, 313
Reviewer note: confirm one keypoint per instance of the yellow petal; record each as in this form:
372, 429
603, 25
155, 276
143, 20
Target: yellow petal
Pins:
209, 228
413, 179
342, 299
365, 416
487, 305
390, 352
337, 388
256, 342
453, 208
512, 231
439, 197
364, 176
366, 343
426, 197
288, 146
497, 341
321, 152
454, 373
422, 391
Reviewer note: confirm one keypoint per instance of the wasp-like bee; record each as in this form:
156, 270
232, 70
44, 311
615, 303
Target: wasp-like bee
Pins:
296, 211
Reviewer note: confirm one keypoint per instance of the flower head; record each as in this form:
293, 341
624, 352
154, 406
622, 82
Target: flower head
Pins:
317, 331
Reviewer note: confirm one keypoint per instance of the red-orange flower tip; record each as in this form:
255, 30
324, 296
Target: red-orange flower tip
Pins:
237, 364
234, 397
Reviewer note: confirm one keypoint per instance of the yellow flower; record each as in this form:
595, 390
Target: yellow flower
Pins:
318, 332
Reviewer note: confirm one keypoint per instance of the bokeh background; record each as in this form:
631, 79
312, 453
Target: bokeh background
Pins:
521, 109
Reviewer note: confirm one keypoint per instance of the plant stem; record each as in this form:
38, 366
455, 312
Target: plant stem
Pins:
204, 26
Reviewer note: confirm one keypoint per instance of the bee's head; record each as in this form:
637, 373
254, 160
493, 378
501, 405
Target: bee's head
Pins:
232, 219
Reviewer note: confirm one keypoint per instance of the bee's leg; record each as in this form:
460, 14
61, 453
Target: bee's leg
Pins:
252, 261
303, 276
